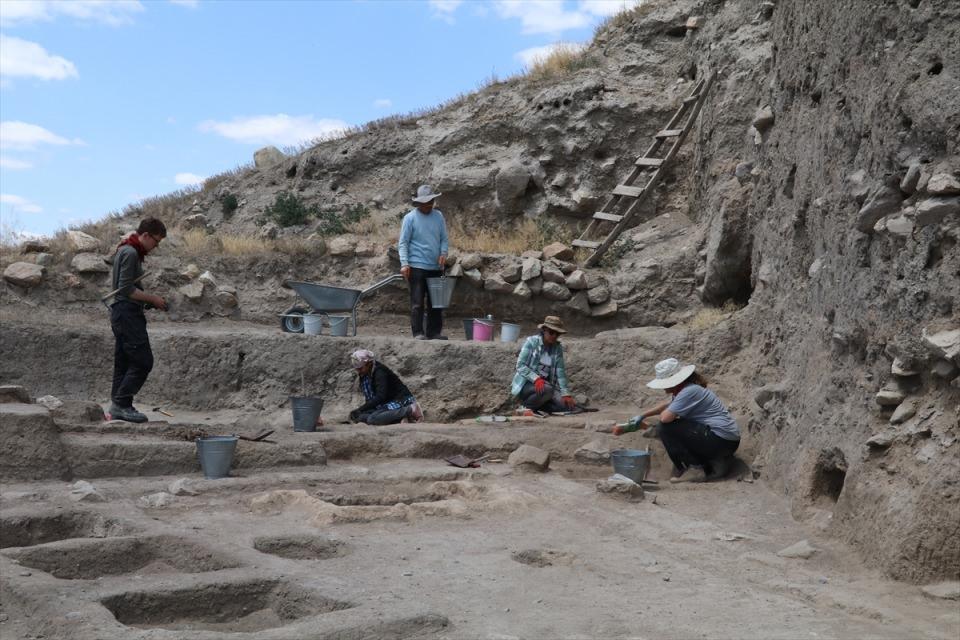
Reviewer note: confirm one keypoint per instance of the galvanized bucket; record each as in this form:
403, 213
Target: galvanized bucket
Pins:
339, 325
216, 455
632, 463
306, 410
441, 291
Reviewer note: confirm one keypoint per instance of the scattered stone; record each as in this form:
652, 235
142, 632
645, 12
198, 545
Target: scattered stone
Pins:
909, 183
949, 590
267, 157
551, 273
902, 369
531, 269
474, 277
156, 500
226, 297
24, 274
206, 278
192, 291
14, 393
605, 310
529, 457
81, 242
944, 344
580, 303
89, 263
554, 291
195, 221
497, 284
943, 184
598, 295
366, 249
268, 231
594, 452
43, 259
742, 171
78, 411
536, 285
900, 226
933, 210
191, 272
512, 272
763, 119
532, 253
801, 549
880, 441
71, 281
944, 369
904, 412
600, 426
694, 22
890, 397
619, 486
881, 202
342, 247
471, 261
566, 268
770, 392
50, 402
181, 487
318, 245
558, 251
34, 246
83, 491
455, 271
577, 280
522, 290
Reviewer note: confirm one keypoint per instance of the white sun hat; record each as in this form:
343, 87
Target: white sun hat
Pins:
425, 194
670, 374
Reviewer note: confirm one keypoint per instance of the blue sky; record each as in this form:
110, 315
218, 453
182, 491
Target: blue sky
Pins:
104, 103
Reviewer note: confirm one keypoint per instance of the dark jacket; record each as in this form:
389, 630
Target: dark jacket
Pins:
386, 387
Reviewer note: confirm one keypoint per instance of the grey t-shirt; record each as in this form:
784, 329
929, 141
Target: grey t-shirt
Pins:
702, 405
126, 269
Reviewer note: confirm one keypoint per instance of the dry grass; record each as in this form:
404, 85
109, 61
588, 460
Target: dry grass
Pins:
626, 16
563, 59
712, 316
528, 234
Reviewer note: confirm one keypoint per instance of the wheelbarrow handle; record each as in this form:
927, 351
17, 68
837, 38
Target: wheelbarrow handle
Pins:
379, 285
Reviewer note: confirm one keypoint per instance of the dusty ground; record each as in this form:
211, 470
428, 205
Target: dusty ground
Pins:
393, 543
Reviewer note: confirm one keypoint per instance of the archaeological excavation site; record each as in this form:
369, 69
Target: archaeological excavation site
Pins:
766, 191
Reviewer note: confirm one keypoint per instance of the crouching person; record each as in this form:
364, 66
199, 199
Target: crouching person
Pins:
540, 381
387, 399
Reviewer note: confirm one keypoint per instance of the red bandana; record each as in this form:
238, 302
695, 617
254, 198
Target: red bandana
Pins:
134, 241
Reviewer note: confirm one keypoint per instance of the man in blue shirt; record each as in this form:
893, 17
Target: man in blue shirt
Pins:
423, 254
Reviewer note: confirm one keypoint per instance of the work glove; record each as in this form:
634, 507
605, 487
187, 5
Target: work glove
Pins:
569, 402
539, 384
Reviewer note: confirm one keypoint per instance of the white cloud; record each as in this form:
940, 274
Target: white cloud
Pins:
25, 59
190, 4
23, 135
607, 8
280, 129
188, 178
444, 9
534, 54
542, 16
19, 204
14, 164
383, 103
110, 12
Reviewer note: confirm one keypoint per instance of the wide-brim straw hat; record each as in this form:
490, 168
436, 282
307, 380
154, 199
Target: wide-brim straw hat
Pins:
670, 374
425, 194
552, 322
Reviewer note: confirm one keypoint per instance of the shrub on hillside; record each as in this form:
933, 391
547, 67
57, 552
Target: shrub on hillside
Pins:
229, 204
288, 210
335, 223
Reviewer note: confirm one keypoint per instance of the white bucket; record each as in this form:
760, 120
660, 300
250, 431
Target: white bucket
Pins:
509, 332
338, 325
312, 324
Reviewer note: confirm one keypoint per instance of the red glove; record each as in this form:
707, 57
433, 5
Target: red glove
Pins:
617, 430
569, 402
539, 384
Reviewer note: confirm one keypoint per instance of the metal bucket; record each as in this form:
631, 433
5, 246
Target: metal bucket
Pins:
216, 455
441, 291
632, 463
339, 325
306, 410
312, 324
509, 332
468, 328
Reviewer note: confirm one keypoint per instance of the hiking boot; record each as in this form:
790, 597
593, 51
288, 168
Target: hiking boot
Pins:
419, 336
128, 414
439, 336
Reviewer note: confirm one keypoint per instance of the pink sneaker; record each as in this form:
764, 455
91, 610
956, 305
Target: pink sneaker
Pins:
416, 413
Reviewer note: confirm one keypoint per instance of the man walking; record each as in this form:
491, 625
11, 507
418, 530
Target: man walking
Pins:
423, 254
132, 357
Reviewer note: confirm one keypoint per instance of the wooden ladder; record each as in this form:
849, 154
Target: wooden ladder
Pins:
629, 195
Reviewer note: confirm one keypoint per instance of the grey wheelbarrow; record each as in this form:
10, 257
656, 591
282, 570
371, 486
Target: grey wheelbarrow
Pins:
325, 299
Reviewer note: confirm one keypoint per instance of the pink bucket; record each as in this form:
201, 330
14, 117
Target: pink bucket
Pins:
482, 330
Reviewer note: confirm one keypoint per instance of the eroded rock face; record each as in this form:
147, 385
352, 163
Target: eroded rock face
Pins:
24, 274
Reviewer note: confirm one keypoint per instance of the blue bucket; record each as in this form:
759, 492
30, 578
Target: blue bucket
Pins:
632, 463
216, 455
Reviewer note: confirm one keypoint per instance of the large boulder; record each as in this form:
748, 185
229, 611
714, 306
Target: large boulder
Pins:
511, 183
554, 291
881, 202
933, 210
943, 184
31, 444
598, 295
89, 263
81, 242
729, 246
342, 247
531, 269
943, 344
579, 303
497, 284
552, 273
529, 458
24, 274
558, 251
195, 221
577, 280
267, 157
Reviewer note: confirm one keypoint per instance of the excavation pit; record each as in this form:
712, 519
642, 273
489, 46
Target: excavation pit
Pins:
242, 607
302, 547
29, 530
89, 559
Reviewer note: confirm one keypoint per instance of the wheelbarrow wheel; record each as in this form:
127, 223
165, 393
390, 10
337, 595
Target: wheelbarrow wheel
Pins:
292, 319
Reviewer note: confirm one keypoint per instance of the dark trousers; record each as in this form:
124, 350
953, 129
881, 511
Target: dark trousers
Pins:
384, 416
132, 357
690, 444
542, 401
420, 302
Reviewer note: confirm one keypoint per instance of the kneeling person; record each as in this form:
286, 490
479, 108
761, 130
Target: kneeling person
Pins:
387, 399
540, 381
